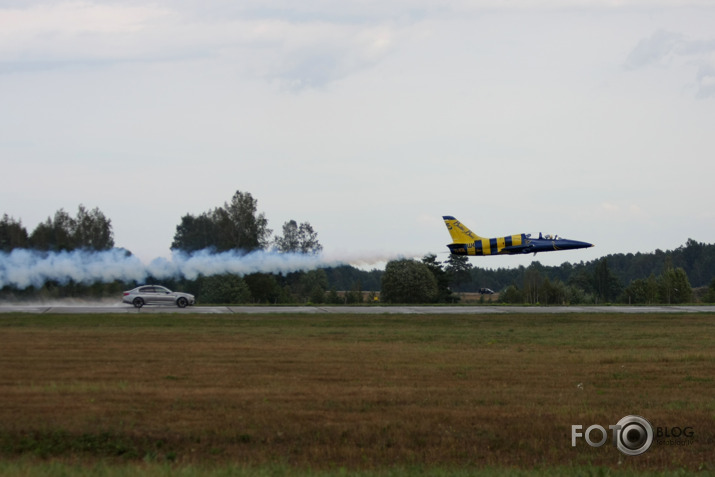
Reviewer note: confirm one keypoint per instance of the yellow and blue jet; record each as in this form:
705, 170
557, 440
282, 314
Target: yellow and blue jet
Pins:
466, 242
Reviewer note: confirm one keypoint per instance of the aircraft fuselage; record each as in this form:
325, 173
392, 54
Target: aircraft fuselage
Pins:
500, 246
467, 242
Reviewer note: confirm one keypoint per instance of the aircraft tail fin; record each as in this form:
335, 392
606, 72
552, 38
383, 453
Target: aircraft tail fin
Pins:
459, 232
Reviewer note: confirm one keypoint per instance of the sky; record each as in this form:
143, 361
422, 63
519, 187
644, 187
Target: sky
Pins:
371, 120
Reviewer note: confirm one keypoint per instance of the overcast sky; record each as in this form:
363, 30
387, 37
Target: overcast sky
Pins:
594, 120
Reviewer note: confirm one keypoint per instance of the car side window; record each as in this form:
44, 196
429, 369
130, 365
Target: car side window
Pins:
146, 290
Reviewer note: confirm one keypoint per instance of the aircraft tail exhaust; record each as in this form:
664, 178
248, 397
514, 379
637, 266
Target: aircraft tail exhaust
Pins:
459, 232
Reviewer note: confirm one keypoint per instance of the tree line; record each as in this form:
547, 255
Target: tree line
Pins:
679, 276
657, 278
89, 230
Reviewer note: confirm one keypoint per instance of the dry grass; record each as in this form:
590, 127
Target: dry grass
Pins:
470, 297
353, 391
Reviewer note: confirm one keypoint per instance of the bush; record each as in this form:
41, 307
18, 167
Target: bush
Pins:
224, 289
408, 281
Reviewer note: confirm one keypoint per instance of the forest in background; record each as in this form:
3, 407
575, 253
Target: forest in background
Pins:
685, 274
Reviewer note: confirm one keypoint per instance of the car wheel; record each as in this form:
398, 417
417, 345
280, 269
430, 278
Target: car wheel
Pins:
138, 302
182, 302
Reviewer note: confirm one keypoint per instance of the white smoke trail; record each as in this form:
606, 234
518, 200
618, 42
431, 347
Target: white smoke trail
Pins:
22, 268
206, 263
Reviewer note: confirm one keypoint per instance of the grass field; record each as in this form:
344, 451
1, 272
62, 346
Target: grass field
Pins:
355, 395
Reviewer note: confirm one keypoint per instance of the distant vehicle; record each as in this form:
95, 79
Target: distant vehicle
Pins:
486, 291
157, 295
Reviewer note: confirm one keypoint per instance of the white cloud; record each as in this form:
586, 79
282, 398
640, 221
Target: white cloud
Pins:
653, 49
73, 18
296, 52
706, 80
671, 50
51, 35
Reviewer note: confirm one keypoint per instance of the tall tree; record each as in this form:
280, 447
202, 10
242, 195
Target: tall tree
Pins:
92, 231
297, 239
458, 268
12, 234
55, 234
642, 290
242, 226
196, 233
533, 281
674, 286
235, 226
607, 285
444, 294
710, 296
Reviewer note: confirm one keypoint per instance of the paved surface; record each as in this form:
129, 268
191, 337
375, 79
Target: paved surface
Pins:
360, 310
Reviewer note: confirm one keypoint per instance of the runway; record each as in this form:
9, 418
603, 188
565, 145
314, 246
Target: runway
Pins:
355, 310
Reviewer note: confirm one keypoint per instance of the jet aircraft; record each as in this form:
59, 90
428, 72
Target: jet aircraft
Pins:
466, 242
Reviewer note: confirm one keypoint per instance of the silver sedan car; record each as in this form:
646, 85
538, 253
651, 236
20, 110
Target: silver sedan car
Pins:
157, 295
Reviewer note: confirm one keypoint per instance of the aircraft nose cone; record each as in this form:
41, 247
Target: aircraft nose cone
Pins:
577, 244
566, 244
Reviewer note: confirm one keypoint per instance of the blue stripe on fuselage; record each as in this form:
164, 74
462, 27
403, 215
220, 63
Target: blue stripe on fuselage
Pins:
493, 246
